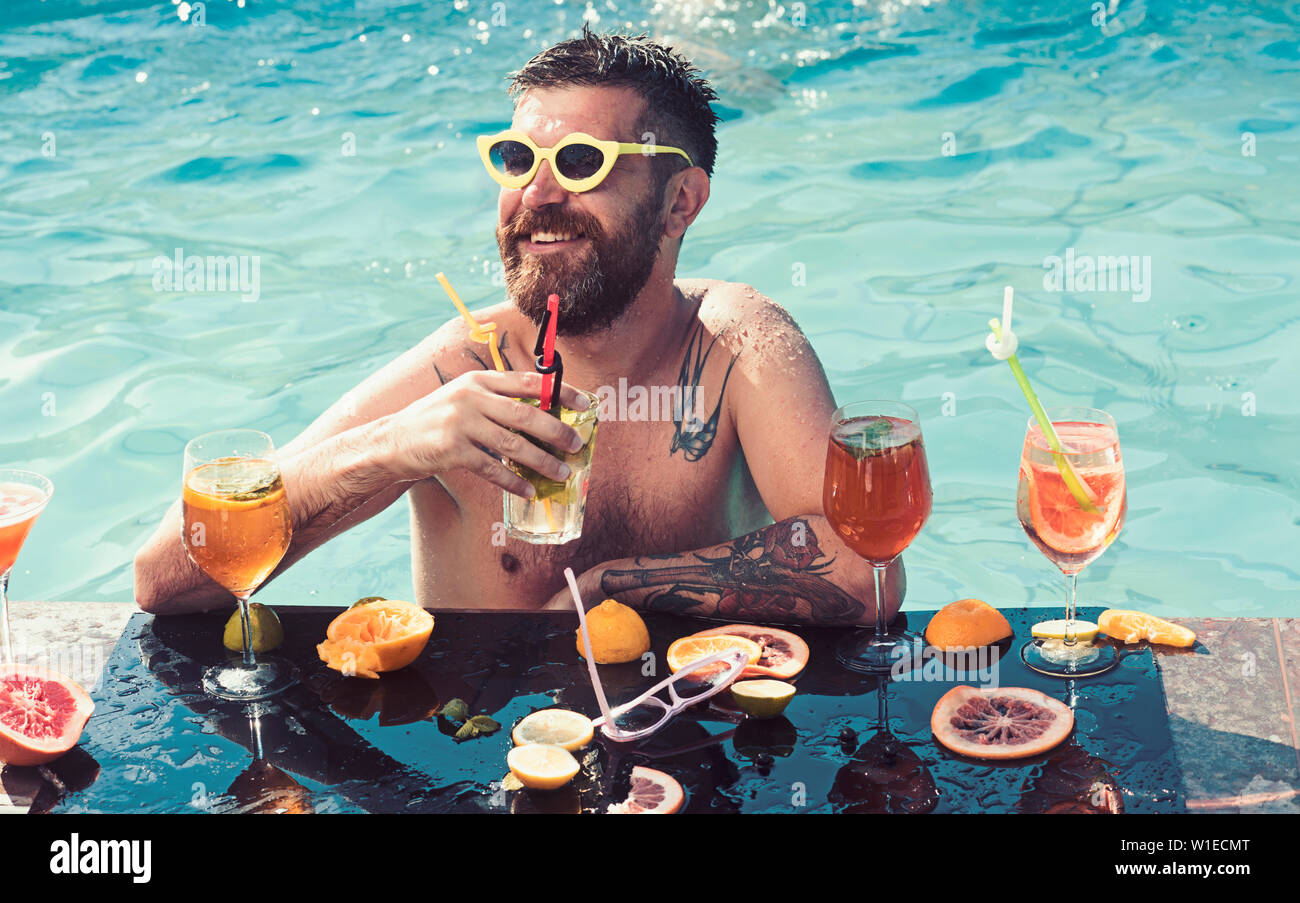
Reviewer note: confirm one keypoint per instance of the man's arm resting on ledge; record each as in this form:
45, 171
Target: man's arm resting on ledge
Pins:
795, 571
332, 486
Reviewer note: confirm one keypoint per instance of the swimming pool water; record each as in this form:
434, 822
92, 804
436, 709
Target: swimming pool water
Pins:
884, 169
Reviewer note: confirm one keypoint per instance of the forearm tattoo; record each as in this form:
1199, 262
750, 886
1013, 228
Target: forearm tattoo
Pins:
777, 574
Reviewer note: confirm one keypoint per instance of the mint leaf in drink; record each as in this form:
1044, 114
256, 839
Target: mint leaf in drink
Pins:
869, 434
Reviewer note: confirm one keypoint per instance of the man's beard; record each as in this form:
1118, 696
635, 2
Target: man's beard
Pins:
596, 284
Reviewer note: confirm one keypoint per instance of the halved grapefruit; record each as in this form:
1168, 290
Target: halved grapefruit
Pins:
42, 714
1002, 723
783, 653
652, 793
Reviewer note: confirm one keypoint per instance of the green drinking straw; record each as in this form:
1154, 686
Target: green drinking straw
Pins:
1077, 488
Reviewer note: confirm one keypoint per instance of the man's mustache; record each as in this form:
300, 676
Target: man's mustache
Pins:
525, 224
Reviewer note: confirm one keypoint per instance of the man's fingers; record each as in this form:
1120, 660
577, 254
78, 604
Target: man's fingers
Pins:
573, 399
515, 415
519, 449
528, 384
492, 470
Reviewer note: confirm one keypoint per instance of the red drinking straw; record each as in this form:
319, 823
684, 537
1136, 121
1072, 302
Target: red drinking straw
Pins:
548, 349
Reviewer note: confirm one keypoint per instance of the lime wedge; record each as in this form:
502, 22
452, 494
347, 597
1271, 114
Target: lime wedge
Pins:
762, 698
1086, 631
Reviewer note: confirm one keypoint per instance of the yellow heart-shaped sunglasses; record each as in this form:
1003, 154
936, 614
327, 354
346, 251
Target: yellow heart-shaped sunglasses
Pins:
578, 161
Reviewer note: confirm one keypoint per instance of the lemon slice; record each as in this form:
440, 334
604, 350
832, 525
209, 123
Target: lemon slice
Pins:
554, 727
542, 767
762, 698
1086, 631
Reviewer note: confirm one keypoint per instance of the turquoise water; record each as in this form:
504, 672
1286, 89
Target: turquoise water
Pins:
884, 170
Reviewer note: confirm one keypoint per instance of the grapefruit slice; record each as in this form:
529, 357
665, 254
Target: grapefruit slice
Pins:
42, 714
1002, 723
783, 656
1055, 513
652, 793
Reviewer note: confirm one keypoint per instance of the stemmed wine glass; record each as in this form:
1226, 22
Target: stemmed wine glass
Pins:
1072, 526
876, 497
23, 496
237, 528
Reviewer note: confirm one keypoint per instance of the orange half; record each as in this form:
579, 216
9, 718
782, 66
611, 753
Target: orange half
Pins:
370, 639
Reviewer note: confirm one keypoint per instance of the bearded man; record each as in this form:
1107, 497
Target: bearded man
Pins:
714, 511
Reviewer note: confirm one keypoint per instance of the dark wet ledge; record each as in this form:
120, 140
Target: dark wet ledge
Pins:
1230, 702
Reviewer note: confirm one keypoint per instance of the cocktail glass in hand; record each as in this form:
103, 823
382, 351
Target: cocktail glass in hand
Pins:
554, 515
23, 496
237, 528
876, 497
1070, 535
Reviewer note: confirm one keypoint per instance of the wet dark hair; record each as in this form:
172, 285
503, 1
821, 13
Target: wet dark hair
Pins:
677, 96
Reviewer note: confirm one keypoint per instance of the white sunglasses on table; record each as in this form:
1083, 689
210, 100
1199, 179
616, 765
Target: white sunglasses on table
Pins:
701, 679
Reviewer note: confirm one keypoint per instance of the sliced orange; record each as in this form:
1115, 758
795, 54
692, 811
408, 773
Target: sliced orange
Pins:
1131, 626
966, 623
1055, 513
693, 648
369, 639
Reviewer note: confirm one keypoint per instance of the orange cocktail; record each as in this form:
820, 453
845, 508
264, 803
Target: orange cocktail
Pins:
237, 524
19, 506
237, 527
23, 496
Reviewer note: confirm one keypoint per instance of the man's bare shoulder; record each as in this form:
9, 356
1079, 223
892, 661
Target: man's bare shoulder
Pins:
745, 320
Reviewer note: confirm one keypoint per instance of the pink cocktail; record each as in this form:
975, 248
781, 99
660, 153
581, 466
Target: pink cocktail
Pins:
23, 496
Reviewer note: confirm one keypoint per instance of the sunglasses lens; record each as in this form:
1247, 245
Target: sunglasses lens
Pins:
580, 161
702, 680
511, 157
640, 717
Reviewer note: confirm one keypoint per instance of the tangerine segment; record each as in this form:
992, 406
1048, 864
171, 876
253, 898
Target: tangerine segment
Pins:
1002, 723
693, 648
42, 714
1132, 626
966, 623
652, 793
1055, 513
379, 636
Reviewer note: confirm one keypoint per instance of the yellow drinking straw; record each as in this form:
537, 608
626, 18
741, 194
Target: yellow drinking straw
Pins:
1005, 350
483, 333
486, 334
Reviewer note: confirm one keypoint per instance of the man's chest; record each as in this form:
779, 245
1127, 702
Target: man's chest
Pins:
644, 497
